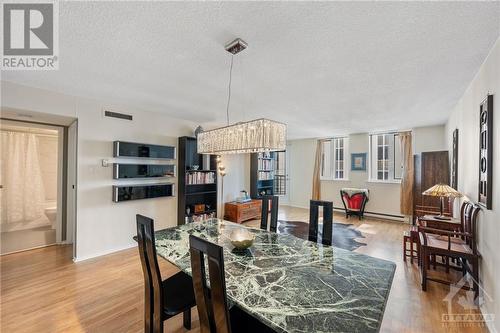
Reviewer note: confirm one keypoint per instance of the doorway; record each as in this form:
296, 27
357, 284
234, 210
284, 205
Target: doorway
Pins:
34, 185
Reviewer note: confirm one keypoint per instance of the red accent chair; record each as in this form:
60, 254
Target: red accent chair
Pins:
354, 204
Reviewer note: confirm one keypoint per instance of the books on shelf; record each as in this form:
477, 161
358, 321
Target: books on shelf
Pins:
265, 155
197, 178
265, 175
265, 164
200, 217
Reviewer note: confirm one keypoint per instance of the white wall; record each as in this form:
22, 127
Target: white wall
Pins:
237, 178
301, 166
384, 197
430, 138
104, 226
465, 117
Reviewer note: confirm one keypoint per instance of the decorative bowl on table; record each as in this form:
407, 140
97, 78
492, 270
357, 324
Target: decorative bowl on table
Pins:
241, 238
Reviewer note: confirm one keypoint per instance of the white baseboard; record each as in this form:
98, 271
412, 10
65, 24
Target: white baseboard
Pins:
30, 248
99, 254
376, 215
384, 217
296, 206
387, 218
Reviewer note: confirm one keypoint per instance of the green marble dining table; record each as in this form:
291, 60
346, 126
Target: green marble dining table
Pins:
291, 284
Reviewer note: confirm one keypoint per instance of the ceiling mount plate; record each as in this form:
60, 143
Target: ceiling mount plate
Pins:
236, 46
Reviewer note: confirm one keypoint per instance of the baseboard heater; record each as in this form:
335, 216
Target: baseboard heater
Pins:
374, 213
142, 191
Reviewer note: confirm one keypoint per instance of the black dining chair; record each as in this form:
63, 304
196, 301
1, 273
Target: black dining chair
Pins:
213, 310
266, 201
163, 299
327, 232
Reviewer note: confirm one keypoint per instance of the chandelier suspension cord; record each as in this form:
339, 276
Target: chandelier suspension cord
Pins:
229, 89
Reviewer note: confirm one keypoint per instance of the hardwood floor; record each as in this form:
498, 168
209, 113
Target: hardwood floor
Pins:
44, 291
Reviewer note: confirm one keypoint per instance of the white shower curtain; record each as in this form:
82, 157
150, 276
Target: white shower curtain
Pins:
23, 194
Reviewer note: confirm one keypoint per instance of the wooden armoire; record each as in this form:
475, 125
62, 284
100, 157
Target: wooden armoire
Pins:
431, 168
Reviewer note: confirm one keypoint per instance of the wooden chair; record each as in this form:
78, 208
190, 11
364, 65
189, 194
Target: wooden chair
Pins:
465, 217
411, 237
446, 226
266, 201
326, 235
213, 311
163, 299
459, 245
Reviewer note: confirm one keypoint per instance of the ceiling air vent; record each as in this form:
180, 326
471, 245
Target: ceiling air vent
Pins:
112, 114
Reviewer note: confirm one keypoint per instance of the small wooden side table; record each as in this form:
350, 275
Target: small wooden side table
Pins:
240, 212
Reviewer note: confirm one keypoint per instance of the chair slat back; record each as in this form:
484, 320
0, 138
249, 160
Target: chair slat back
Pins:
469, 222
327, 221
342, 194
211, 302
266, 201
153, 301
466, 205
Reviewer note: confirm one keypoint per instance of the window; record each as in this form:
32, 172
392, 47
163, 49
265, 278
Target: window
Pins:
280, 173
338, 152
333, 159
385, 157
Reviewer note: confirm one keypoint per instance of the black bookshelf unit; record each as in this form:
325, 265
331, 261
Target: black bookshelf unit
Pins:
262, 172
197, 182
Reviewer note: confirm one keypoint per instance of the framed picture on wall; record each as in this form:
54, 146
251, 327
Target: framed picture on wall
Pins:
358, 162
486, 152
454, 162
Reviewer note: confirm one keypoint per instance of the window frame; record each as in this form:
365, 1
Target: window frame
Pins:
334, 161
392, 178
397, 179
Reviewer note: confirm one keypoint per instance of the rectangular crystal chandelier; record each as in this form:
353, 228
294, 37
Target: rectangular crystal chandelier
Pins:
255, 136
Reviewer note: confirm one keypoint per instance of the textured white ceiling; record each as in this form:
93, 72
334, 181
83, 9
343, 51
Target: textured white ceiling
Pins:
324, 68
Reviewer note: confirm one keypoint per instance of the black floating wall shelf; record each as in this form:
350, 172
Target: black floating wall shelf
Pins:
128, 171
142, 150
142, 191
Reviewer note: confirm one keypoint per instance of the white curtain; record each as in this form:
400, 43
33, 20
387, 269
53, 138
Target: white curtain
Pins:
23, 194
